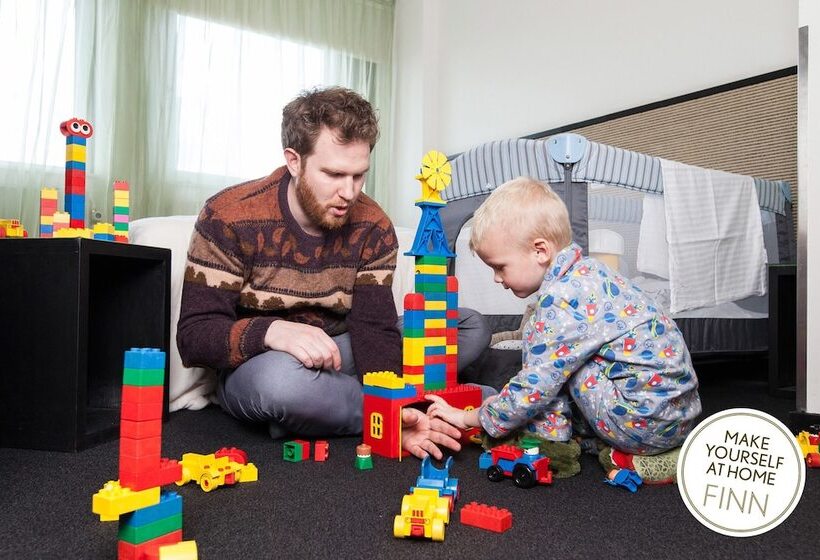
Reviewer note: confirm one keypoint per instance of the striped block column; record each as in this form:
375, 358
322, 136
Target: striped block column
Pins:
77, 132
141, 466
121, 210
48, 207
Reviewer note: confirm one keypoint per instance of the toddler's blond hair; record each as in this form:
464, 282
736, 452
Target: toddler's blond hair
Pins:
527, 209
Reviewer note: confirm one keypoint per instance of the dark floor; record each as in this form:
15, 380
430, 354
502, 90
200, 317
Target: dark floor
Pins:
332, 510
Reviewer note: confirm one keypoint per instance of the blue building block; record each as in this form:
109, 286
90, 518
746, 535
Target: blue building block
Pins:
170, 504
144, 358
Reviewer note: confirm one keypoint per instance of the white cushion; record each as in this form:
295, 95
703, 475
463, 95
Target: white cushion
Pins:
188, 387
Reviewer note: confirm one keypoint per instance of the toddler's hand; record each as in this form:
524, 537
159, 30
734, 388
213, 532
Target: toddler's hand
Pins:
451, 415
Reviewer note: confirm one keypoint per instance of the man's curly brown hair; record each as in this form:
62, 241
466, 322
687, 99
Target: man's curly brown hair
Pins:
345, 112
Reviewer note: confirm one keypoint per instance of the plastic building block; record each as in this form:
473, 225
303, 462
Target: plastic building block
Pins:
364, 459
320, 451
813, 460
486, 517
296, 451
424, 514
185, 550
129, 551
624, 478
113, 500
170, 504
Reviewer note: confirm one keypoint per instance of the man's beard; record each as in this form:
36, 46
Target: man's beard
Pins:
315, 212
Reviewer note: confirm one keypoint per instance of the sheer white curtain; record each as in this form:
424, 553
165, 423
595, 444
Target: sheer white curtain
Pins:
185, 95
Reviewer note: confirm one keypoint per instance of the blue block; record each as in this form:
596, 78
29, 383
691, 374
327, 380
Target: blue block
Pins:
452, 323
75, 165
435, 296
390, 394
73, 139
435, 371
144, 358
435, 350
431, 278
46, 228
435, 314
170, 504
452, 300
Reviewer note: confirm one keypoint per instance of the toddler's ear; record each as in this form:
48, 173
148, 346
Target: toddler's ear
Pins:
543, 249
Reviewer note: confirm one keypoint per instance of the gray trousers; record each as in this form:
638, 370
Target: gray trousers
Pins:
275, 388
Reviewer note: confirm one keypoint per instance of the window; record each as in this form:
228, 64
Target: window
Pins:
231, 87
37, 39
376, 425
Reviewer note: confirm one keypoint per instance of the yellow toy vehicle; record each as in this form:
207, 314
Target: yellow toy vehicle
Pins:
225, 467
423, 514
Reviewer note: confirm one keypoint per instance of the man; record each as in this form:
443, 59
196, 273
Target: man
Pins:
288, 284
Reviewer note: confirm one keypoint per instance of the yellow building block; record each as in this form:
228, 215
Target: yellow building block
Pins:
385, 379
62, 218
113, 500
74, 232
104, 227
49, 193
431, 269
414, 379
121, 196
436, 341
47, 220
185, 550
451, 349
413, 351
435, 323
435, 306
75, 152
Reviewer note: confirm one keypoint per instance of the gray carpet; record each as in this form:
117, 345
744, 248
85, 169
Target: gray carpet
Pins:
332, 510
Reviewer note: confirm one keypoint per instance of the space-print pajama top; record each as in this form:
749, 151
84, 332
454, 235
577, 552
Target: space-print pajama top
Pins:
596, 338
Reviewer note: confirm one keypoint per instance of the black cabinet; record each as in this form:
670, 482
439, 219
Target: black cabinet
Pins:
782, 329
70, 308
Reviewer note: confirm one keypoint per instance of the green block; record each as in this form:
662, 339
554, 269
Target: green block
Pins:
435, 386
142, 533
143, 377
431, 259
413, 333
422, 287
292, 452
121, 210
121, 226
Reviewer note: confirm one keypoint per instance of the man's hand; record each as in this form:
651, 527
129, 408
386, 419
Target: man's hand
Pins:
420, 434
308, 344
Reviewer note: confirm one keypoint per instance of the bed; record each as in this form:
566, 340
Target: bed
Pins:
605, 189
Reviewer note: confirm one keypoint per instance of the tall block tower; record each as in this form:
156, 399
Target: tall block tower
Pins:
430, 339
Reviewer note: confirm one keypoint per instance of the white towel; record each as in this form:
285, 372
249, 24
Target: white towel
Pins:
653, 250
716, 249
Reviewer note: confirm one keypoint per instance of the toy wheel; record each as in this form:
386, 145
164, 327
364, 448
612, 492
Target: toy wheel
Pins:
437, 530
398, 527
523, 477
206, 483
494, 473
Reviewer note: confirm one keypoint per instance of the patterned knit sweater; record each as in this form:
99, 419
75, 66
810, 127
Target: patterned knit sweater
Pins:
250, 263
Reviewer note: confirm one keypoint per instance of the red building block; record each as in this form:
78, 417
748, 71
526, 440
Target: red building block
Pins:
452, 284
141, 475
414, 302
139, 430
320, 451
128, 551
486, 517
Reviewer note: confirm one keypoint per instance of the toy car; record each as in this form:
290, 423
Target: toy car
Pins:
423, 515
438, 479
526, 467
225, 467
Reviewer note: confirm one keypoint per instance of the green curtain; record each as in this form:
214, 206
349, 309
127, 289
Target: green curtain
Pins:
185, 95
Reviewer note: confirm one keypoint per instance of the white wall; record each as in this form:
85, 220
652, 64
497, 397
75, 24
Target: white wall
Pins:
809, 238
470, 71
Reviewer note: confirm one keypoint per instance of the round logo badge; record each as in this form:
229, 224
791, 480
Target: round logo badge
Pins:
741, 472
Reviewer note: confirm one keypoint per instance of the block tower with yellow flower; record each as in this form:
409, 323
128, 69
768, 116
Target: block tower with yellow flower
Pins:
430, 339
